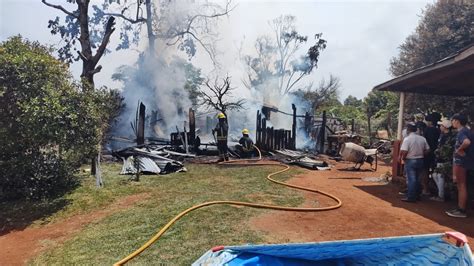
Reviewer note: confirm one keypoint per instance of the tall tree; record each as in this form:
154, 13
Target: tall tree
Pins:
445, 27
183, 23
277, 57
353, 101
77, 27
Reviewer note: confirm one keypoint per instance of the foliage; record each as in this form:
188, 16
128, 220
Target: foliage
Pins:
445, 28
193, 79
48, 125
382, 105
79, 27
187, 24
277, 58
353, 101
323, 97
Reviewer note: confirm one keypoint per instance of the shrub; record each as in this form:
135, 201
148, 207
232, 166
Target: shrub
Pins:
48, 126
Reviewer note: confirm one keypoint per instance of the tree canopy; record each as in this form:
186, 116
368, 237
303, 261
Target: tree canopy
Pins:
48, 124
445, 28
278, 59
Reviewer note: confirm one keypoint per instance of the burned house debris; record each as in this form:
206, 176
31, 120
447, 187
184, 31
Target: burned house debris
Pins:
163, 156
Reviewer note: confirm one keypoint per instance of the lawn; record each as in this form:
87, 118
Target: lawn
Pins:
114, 237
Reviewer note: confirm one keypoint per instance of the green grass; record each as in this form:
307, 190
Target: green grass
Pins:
119, 234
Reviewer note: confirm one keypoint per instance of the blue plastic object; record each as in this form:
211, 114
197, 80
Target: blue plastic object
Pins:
432, 249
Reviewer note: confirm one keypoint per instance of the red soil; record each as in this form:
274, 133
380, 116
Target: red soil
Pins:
17, 247
369, 209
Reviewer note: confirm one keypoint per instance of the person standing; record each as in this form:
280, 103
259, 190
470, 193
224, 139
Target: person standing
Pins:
412, 152
431, 134
443, 158
460, 164
220, 132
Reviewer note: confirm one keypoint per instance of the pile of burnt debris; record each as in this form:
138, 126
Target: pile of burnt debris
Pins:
164, 157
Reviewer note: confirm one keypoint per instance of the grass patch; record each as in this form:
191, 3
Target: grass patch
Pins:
121, 233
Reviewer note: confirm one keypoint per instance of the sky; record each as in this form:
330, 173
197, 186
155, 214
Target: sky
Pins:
362, 36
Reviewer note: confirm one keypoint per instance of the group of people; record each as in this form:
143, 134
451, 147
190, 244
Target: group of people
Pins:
245, 148
442, 149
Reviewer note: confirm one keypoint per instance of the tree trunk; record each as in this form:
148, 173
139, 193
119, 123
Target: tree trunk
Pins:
87, 77
149, 27
369, 129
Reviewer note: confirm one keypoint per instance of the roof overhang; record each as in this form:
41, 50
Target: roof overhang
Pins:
453, 76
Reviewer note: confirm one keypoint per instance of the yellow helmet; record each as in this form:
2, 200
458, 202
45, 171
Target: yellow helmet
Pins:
221, 115
245, 131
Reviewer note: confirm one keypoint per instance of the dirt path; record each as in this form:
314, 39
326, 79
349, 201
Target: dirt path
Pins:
369, 210
17, 247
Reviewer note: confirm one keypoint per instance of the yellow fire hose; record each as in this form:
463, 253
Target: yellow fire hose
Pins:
239, 203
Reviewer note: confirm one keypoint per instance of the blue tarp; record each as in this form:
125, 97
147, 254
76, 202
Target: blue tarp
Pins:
430, 249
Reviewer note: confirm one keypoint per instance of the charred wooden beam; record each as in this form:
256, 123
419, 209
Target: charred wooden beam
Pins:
192, 126
141, 125
322, 134
293, 128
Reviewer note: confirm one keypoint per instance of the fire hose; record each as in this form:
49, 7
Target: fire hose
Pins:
243, 162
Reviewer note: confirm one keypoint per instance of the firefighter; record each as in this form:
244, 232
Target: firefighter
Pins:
245, 147
220, 133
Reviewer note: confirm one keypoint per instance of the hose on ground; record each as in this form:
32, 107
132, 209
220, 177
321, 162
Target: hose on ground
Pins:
244, 162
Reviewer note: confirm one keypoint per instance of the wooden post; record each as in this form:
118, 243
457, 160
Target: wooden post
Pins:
322, 134
401, 111
192, 126
293, 128
264, 133
141, 125
396, 144
272, 139
288, 139
396, 166
353, 126
258, 132
185, 138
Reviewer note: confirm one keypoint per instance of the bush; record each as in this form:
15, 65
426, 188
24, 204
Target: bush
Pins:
48, 126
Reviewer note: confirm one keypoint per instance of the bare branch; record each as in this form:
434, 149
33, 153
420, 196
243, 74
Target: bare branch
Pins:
218, 94
109, 29
133, 21
60, 8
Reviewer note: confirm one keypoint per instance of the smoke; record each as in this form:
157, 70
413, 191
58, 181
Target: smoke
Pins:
157, 81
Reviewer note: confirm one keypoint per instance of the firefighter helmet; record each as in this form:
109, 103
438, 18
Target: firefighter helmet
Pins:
221, 115
245, 131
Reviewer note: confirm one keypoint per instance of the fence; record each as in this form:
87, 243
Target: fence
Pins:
269, 138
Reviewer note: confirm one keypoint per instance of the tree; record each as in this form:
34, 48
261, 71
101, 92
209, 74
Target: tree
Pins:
352, 101
277, 57
193, 78
47, 123
77, 27
326, 95
381, 104
219, 95
445, 27
186, 24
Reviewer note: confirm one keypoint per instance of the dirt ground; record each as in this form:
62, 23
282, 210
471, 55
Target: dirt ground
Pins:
370, 209
17, 247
